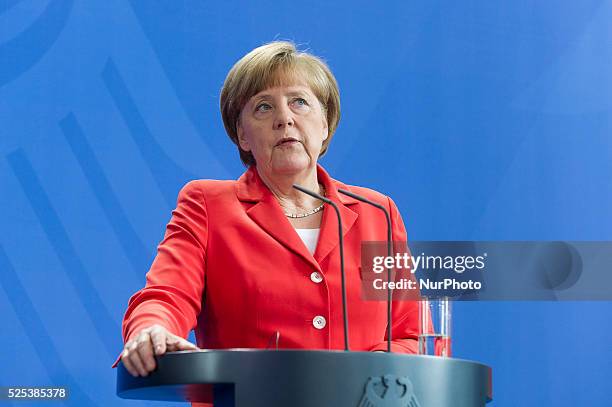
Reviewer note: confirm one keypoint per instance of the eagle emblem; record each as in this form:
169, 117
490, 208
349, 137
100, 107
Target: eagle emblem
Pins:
389, 391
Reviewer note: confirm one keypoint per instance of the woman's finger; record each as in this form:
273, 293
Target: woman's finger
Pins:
158, 338
135, 360
145, 351
128, 364
177, 343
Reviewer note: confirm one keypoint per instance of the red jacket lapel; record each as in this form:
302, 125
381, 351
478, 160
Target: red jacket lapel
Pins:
328, 237
268, 214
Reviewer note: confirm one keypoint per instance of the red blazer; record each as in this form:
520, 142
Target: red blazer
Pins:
232, 267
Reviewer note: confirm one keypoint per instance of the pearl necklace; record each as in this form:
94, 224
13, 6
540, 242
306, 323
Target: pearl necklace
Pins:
310, 212
305, 214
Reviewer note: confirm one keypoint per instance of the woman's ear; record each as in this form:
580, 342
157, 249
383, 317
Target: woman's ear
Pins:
242, 141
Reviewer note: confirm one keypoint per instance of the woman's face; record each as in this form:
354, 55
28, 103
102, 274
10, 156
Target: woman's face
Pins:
284, 128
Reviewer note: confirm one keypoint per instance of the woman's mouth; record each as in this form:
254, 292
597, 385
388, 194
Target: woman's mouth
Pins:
289, 141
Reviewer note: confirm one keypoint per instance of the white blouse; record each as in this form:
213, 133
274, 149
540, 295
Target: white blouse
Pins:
310, 237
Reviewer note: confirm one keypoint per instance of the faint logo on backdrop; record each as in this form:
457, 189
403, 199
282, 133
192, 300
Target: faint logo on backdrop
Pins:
389, 391
559, 266
32, 43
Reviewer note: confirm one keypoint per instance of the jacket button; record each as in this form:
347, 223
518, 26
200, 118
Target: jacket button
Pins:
319, 322
316, 277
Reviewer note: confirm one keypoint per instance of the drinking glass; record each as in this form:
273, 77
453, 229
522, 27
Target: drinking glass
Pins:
435, 326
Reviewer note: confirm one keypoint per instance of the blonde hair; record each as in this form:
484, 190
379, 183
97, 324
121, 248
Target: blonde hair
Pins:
275, 64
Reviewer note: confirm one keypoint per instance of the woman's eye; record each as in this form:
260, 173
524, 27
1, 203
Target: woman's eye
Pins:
263, 107
300, 102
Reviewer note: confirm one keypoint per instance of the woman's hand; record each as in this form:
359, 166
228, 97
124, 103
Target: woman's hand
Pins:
138, 355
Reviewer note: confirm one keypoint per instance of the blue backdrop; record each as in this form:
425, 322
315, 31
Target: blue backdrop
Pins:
483, 120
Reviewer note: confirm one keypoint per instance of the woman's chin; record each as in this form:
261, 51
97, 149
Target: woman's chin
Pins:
290, 165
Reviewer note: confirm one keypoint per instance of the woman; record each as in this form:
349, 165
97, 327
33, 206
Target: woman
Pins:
250, 261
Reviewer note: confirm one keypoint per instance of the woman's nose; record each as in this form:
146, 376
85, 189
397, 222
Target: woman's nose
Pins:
284, 117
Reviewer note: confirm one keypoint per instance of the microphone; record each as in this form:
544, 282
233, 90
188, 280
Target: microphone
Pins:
341, 239
389, 253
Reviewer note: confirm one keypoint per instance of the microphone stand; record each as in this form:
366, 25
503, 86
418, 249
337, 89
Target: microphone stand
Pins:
341, 239
389, 253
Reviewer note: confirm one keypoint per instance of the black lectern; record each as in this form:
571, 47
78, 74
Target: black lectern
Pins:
300, 378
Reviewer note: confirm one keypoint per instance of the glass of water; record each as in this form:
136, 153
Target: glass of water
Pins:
435, 326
